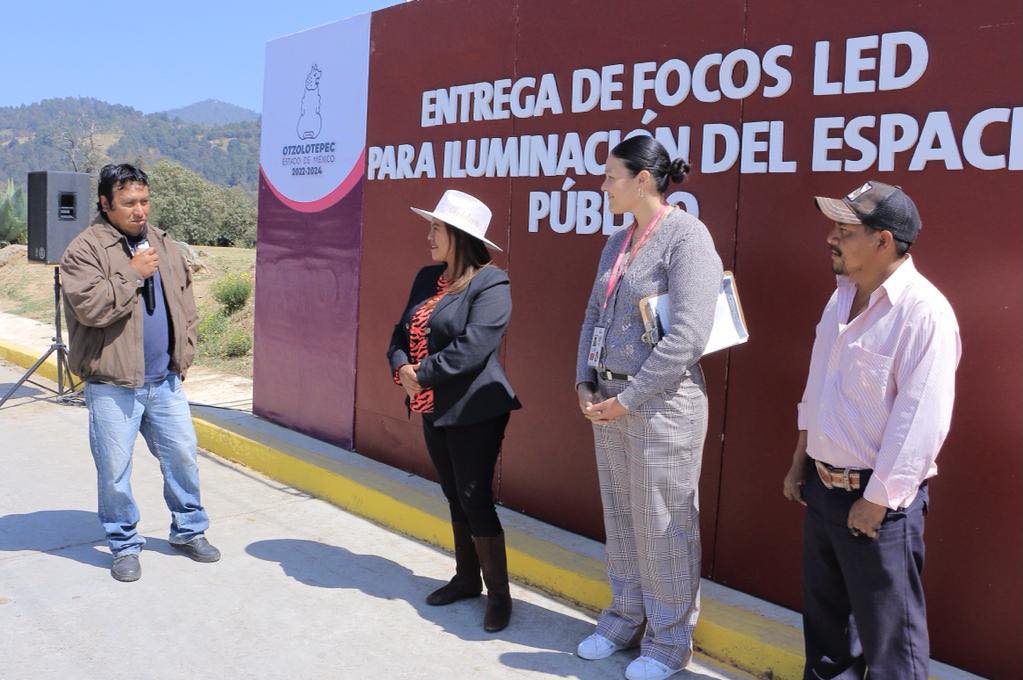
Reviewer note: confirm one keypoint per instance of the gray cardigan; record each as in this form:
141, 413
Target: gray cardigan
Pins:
679, 258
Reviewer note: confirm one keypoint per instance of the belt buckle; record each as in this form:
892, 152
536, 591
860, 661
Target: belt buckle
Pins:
846, 483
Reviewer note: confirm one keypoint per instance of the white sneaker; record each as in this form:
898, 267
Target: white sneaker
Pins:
645, 668
596, 647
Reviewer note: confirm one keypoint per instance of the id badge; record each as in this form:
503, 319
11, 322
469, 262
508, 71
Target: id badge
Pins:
596, 347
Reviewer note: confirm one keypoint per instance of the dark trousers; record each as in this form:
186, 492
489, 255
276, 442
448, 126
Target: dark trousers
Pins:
464, 457
863, 598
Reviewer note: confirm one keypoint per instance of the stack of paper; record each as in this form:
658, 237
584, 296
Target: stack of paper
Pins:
729, 323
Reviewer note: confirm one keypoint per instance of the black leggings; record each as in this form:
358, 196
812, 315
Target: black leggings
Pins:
464, 457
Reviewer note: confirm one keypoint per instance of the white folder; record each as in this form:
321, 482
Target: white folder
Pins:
729, 327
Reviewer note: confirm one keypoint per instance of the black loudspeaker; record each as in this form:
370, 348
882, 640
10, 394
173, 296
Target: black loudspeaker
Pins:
58, 210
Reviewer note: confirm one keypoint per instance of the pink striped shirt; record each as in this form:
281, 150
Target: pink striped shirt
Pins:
880, 390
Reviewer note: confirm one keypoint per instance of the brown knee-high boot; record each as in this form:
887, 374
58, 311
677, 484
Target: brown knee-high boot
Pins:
466, 582
494, 562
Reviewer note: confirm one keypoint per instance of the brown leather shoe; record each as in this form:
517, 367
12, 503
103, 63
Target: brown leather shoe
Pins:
494, 562
466, 582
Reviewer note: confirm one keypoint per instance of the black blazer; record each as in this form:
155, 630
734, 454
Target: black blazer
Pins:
463, 339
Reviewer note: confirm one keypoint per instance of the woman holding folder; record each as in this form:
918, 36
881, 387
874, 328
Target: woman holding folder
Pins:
648, 406
444, 353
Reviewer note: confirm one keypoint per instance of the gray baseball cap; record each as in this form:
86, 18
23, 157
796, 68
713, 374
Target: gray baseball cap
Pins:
877, 205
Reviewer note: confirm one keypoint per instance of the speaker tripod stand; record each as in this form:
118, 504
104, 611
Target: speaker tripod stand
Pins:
58, 347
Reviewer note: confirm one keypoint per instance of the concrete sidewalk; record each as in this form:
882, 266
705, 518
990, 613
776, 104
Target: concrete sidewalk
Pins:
305, 590
745, 632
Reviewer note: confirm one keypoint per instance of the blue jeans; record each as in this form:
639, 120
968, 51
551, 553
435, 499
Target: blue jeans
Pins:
160, 412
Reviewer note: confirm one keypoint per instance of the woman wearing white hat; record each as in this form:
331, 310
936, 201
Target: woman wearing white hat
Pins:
444, 353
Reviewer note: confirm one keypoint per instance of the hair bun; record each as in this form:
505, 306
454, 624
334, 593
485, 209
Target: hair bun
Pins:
678, 169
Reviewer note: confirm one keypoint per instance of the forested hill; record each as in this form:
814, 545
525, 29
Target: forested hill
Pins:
212, 112
83, 134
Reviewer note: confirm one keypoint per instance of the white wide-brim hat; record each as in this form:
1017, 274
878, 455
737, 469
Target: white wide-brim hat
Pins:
463, 212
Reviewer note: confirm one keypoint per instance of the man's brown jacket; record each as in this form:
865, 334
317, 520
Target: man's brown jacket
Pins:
104, 309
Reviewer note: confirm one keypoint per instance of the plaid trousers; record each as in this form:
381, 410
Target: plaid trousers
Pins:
648, 463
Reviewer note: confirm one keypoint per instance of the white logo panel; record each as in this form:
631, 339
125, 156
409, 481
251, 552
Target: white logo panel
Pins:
314, 112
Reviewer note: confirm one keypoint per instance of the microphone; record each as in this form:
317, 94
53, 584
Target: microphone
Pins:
148, 287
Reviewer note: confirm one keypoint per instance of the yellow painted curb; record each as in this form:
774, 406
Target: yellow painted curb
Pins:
344, 492
26, 357
754, 643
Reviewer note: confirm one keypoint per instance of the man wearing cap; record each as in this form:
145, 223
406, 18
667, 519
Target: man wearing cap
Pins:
874, 414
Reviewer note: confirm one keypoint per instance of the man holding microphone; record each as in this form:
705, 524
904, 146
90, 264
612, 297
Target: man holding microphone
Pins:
132, 322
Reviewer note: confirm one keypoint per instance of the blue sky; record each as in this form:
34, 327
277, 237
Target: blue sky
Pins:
153, 56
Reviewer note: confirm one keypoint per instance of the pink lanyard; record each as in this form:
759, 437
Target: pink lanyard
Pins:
618, 271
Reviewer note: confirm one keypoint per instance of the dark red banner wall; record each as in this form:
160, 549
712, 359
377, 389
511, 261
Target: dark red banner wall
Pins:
765, 229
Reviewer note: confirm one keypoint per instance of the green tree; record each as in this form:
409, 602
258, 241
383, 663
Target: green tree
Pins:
238, 225
183, 203
13, 214
193, 210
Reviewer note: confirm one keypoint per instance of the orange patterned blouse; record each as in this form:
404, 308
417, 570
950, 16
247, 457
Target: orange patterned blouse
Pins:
417, 334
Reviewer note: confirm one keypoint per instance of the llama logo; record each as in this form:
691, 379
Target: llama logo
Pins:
309, 121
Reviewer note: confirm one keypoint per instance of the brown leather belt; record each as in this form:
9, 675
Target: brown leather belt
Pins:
838, 478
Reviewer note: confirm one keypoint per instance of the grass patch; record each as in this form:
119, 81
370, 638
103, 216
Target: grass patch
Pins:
232, 291
225, 340
27, 290
40, 310
237, 343
212, 327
